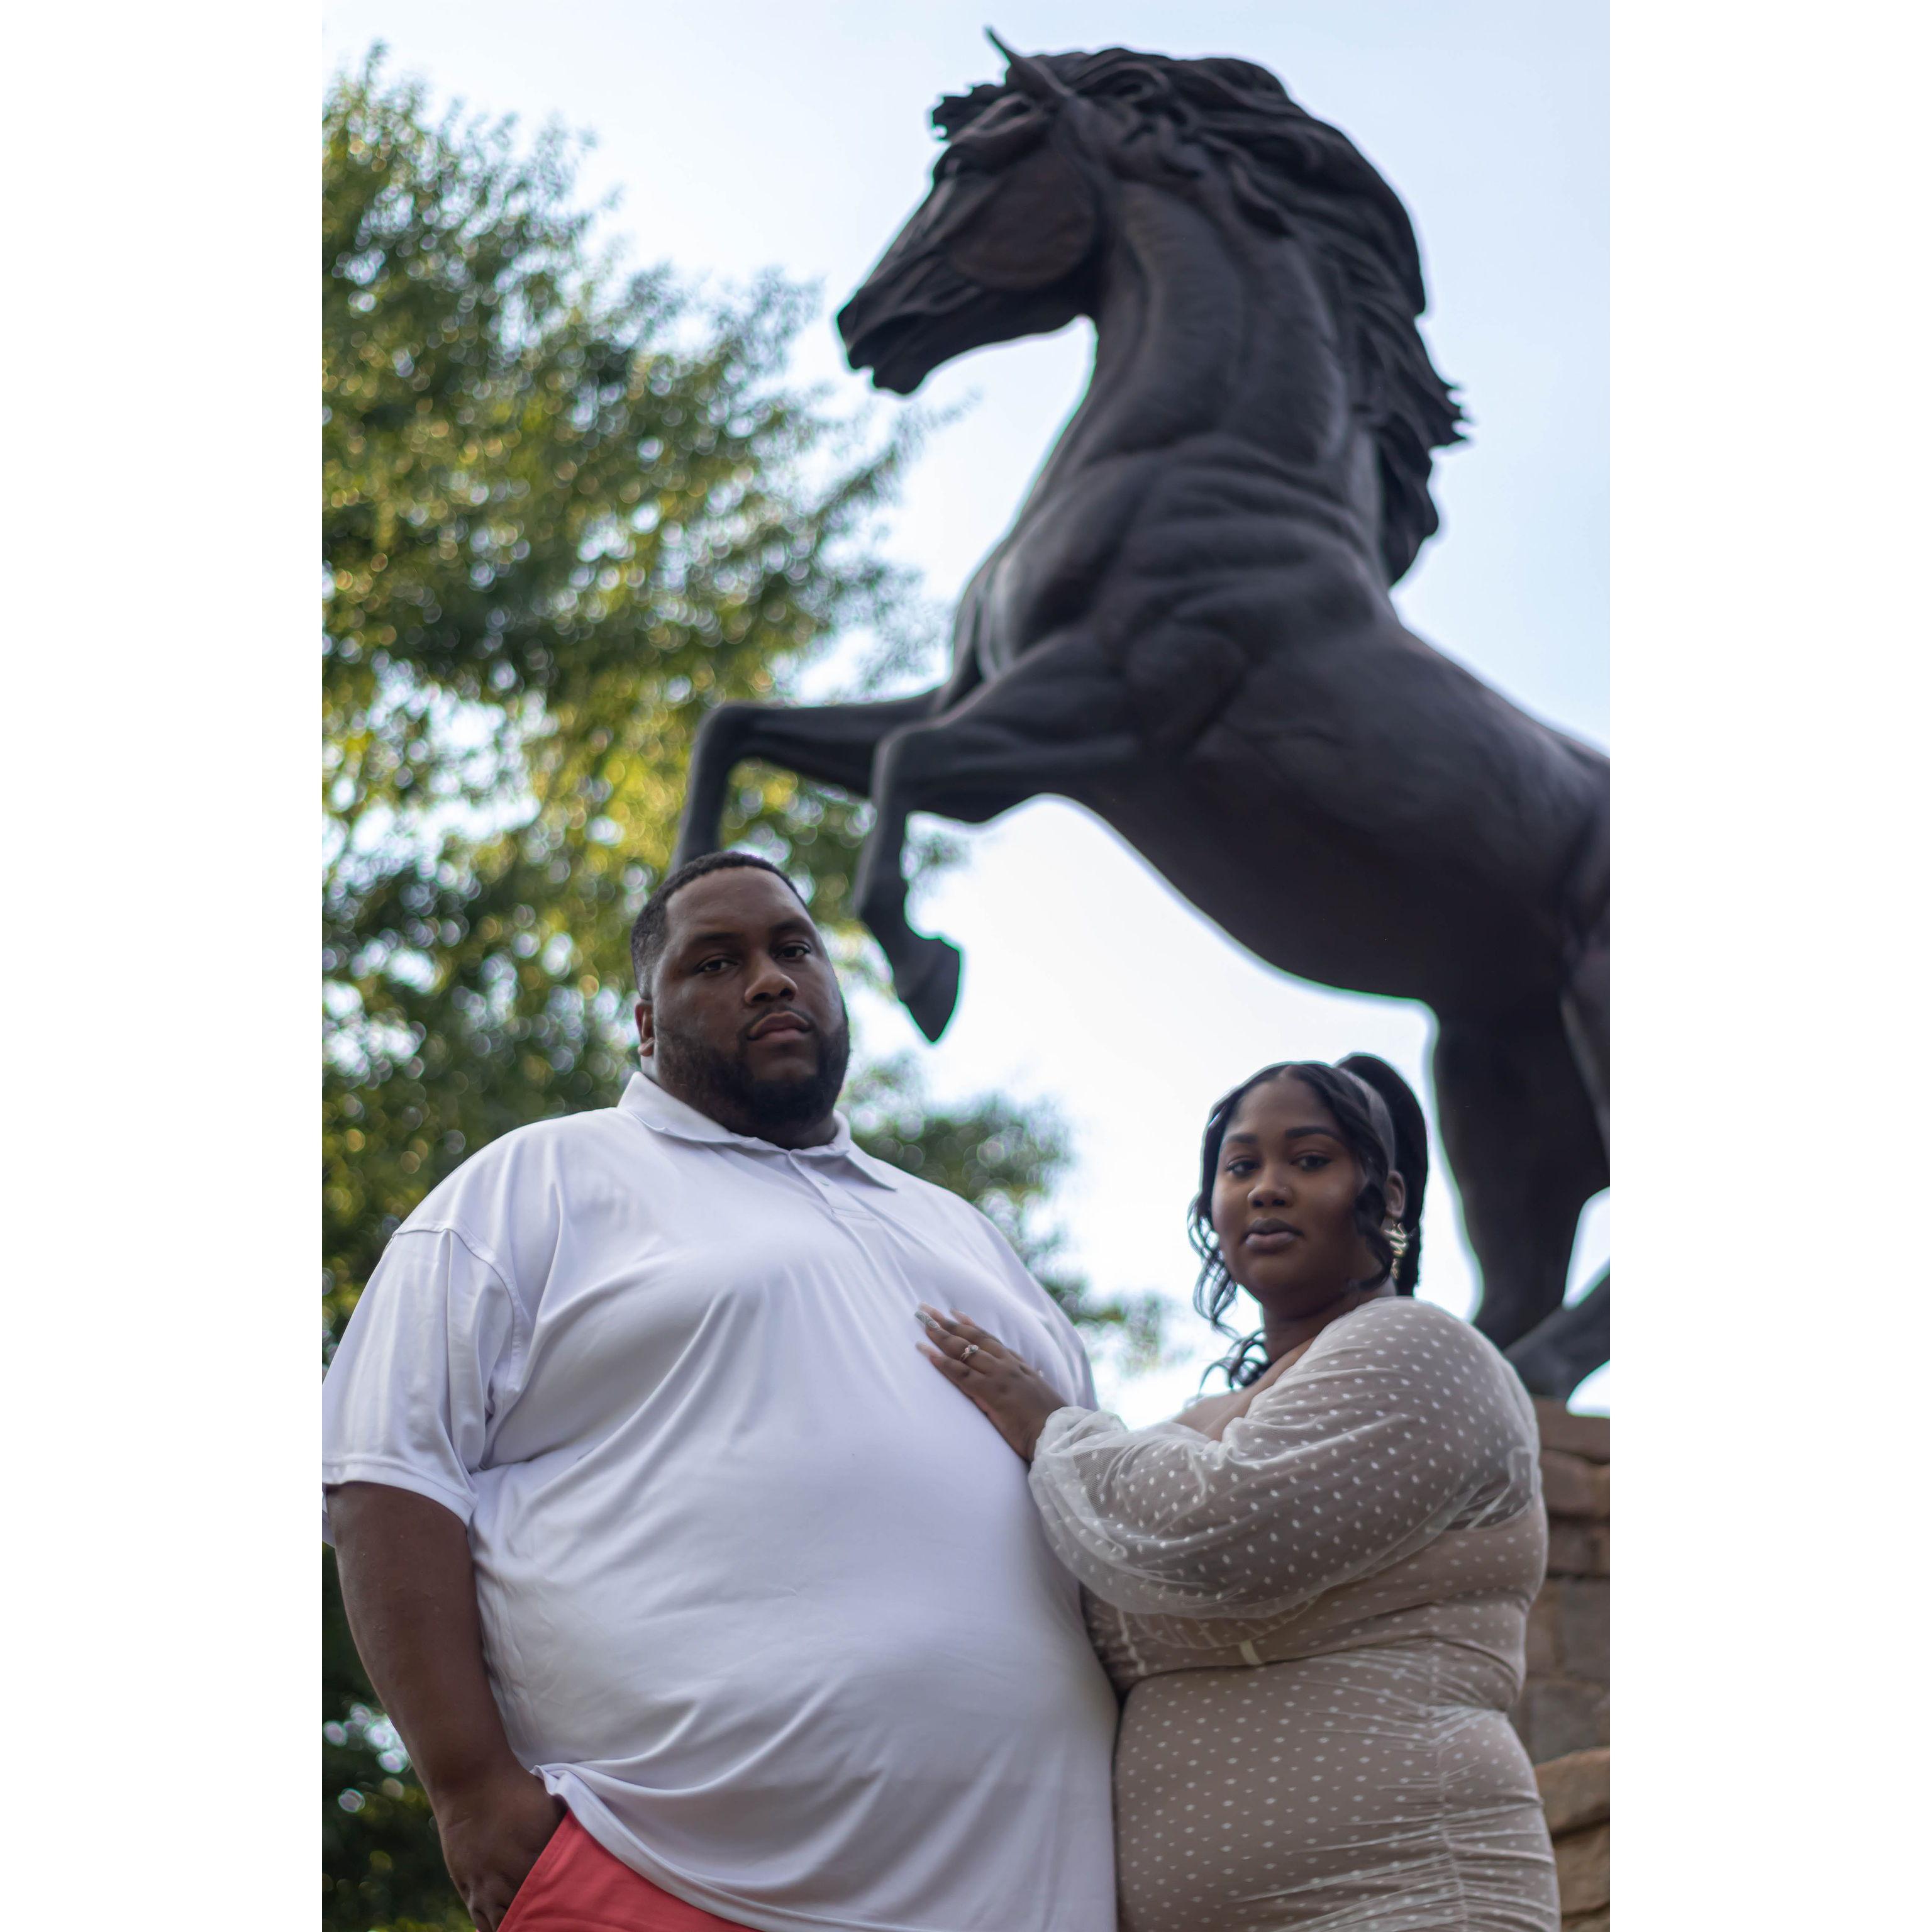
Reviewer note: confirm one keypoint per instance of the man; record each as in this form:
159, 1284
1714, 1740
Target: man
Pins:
696, 1598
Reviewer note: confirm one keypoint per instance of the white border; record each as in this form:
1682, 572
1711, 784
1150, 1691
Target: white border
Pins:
161, 346
1770, 442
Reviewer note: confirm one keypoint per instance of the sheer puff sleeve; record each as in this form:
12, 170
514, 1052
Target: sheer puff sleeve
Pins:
1399, 1423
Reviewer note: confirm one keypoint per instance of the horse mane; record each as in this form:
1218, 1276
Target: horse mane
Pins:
1293, 175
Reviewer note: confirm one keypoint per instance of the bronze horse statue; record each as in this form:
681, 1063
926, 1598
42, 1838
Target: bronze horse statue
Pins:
1188, 629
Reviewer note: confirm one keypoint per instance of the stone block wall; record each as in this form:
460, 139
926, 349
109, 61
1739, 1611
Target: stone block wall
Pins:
1564, 1714
1576, 1801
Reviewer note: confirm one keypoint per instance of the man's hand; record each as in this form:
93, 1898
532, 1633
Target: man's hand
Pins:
1012, 1395
493, 1834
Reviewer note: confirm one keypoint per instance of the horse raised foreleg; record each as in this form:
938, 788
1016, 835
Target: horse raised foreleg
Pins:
1054, 719
833, 743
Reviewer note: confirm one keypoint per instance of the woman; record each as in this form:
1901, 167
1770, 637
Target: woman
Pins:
1310, 1592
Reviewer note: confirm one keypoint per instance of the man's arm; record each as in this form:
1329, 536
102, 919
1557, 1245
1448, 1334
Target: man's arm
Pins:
410, 1588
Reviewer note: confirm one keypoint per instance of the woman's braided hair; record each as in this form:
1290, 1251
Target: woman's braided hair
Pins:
1355, 1091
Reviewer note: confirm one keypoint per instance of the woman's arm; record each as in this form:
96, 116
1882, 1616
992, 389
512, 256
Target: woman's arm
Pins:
1365, 1454
1016, 1400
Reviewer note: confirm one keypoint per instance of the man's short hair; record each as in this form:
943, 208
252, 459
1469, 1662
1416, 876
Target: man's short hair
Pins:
648, 930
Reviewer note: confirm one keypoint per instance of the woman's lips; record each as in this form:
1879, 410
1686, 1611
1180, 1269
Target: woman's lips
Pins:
1270, 1240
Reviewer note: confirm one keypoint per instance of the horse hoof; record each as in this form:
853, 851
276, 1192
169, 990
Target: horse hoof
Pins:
931, 991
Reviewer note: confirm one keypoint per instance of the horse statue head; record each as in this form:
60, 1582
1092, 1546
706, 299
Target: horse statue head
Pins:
1027, 210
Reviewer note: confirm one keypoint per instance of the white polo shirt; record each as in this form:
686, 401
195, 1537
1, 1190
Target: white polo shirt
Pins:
764, 1600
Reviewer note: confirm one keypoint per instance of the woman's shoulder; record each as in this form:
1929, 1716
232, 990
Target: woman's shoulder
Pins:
1406, 1333
1416, 1358
1403, 1321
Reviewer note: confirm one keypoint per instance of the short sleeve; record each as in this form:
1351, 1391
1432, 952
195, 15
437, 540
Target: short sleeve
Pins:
1389, 1432
416, 1382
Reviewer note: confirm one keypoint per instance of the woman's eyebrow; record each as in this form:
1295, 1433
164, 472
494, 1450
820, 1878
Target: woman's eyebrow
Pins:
1246, 1139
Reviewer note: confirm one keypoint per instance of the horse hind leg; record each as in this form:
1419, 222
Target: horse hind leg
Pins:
1586, 999
1573, 1340
1564, 1347
1522, 1140
1586, 1018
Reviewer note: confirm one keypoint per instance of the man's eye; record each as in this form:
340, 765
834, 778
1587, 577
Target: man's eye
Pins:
708, 964
796, 949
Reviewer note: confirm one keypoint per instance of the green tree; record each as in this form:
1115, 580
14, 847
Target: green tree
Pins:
565, 509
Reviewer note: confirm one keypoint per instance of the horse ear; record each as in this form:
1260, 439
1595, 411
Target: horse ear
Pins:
1032, 77
1036, 230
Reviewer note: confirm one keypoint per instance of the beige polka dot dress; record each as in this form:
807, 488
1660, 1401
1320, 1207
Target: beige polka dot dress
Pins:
1317, 1627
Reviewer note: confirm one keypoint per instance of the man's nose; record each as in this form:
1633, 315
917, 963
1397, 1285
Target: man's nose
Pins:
771, 982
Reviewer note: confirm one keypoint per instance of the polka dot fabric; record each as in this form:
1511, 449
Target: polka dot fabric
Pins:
1317, 1625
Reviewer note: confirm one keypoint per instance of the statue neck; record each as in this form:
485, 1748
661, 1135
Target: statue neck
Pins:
1207, 327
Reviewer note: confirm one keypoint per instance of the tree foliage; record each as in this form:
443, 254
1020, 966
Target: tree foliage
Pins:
564, 512
566, 508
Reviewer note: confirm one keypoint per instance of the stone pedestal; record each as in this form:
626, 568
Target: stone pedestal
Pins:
1564, 1714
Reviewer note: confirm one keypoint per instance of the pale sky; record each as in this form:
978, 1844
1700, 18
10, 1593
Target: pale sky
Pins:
766, 134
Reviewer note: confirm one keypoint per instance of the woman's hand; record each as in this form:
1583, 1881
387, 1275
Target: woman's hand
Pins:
1012, 1395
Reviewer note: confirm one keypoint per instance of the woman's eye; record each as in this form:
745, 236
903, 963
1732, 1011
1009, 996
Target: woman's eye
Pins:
1310, 1163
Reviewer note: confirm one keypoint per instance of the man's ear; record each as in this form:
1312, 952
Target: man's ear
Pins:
647, 1033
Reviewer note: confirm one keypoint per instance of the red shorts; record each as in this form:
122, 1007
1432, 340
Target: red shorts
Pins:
576, 1885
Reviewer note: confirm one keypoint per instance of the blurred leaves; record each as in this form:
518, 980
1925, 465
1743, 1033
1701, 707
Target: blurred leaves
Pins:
566, 509
565, 512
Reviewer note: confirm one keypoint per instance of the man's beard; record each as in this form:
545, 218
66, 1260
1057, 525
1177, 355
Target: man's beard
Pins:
721, 1085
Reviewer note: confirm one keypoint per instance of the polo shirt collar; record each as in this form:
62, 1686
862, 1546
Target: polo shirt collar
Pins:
666, 1114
